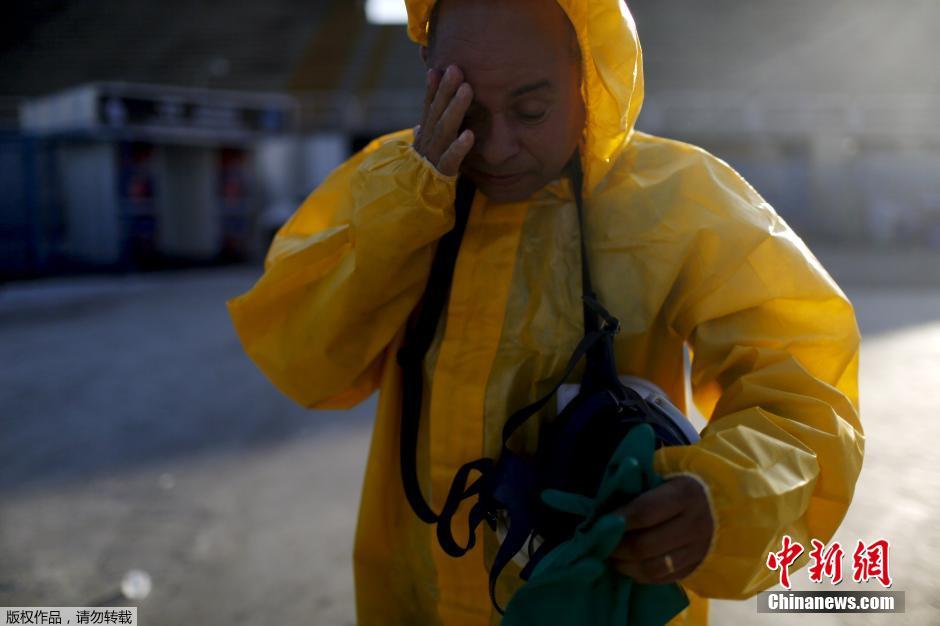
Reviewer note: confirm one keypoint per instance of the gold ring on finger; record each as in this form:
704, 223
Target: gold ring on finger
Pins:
670, 567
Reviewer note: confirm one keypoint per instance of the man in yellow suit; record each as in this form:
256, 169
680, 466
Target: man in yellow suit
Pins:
682, 250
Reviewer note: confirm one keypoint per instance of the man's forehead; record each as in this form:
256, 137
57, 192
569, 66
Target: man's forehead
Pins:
503, 45
502, 83
489, 59
511, 25
484, 7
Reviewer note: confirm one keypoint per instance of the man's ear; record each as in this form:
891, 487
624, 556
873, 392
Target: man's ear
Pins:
424, 54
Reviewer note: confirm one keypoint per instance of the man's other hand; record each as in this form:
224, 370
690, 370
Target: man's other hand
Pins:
669, 531
445, 104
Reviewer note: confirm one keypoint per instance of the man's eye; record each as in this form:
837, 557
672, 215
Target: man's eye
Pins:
531, 116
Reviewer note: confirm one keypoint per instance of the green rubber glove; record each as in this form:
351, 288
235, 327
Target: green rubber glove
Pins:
574, 584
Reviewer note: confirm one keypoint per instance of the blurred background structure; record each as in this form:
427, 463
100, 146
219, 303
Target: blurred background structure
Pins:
138, 135
176, 136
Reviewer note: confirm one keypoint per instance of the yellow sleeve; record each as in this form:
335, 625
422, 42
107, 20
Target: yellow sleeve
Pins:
775, 349
343, 274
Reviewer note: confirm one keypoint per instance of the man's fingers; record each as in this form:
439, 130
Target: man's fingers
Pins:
432, 81
655, 506
449, 83
668, 534
658, 540
446, 101
449, 165
449, 125
657, 570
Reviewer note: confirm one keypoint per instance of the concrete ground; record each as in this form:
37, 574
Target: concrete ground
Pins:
135, 434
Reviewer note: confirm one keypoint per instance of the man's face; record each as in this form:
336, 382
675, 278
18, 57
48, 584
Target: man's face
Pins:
527, 113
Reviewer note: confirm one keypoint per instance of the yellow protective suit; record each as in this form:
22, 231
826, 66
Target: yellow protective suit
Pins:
682, 250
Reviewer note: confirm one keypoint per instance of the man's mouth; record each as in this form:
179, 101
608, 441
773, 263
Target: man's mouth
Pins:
498, 179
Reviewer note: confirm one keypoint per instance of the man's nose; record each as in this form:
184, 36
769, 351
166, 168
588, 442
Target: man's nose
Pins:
500, 143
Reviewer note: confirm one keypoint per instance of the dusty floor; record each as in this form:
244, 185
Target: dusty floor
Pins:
134, 433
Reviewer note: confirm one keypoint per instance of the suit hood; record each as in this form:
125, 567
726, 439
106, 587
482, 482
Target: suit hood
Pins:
612, 76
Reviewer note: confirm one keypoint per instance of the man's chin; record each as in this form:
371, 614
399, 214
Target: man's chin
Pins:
515, 192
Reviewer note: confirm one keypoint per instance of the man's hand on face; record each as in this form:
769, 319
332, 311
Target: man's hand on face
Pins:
669, 530
445, 104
